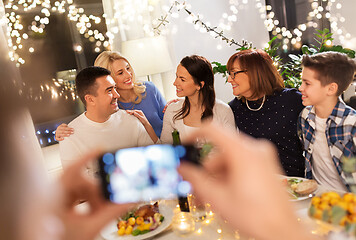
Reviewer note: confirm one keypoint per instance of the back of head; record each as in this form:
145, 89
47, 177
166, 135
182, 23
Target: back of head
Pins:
332, 67
263, 74
85, 81
201, 71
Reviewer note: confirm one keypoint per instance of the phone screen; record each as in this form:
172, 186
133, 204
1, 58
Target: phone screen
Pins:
144, 173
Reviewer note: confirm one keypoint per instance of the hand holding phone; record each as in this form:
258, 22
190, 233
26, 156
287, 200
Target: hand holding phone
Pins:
145, 173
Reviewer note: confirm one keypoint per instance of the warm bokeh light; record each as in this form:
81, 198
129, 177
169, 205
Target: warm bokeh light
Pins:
19, 33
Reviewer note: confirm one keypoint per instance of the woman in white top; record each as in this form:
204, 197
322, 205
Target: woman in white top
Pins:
195, 82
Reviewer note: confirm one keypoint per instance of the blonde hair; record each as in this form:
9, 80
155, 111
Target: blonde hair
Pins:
106, 59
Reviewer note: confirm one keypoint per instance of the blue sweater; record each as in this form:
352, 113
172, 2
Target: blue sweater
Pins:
152, 106
277, 122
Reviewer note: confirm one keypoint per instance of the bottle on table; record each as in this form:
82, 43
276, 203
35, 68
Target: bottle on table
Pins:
183, 201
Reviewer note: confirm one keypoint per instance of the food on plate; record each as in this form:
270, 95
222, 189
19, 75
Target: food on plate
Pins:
142, 220
335, 209
300, 187
306, 187
146, 211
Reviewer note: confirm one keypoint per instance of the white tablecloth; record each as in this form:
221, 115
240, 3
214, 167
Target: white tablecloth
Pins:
218, 228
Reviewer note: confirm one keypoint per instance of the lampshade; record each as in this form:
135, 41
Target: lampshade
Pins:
147, 55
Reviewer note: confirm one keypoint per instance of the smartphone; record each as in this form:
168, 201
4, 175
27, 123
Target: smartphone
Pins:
145, 173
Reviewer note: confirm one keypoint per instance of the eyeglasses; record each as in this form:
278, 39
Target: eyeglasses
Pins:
233, 74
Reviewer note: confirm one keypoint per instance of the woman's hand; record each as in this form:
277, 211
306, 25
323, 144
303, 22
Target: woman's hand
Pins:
241, 183
172, 101
141, 116
76, 187
63, 131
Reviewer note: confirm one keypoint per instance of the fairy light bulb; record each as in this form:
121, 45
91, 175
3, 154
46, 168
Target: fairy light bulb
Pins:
183, 223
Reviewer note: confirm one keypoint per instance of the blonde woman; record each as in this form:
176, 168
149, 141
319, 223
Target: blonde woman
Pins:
142, 100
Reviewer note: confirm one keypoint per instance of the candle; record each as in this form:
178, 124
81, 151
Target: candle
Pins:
183, 223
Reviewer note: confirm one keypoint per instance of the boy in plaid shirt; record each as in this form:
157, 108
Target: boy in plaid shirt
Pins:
327, 126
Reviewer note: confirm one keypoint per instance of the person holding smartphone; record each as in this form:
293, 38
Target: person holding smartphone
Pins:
45, 211
235, 184
33, 207
241, 184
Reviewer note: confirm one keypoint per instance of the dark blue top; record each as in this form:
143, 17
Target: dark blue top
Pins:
152, 106
277, 122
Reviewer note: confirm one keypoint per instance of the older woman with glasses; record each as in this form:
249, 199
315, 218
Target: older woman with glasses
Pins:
263, 108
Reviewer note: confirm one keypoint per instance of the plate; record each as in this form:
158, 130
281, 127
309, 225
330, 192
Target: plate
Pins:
110, 231
302, 197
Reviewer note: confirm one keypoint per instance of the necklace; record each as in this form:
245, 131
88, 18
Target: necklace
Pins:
259, 108
128, 108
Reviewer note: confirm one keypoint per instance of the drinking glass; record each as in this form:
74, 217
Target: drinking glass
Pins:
183, 223
200, 211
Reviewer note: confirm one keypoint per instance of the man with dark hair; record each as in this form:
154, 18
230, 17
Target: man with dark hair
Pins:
102, 125
86, 81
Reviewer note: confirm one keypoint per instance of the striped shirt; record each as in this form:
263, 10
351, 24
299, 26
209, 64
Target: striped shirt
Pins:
340, 134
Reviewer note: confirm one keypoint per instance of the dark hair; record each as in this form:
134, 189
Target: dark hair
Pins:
332, 67
85, 81
201, 71
262, 73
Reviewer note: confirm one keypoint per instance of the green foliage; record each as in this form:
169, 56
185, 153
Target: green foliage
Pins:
324, 39
272, 49
222, 69
292, 69
219, 68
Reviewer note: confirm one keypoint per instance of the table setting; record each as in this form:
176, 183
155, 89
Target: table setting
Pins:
178, 225
201, 223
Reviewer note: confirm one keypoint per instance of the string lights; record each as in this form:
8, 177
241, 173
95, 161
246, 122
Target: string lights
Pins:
127, 12
202, 26
129, 18
18, 34
227, 21
86, 24
319, 9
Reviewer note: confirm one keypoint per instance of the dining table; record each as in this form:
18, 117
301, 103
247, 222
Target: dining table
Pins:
218, 229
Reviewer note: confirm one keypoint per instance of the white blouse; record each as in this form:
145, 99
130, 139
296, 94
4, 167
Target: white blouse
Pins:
222, 114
